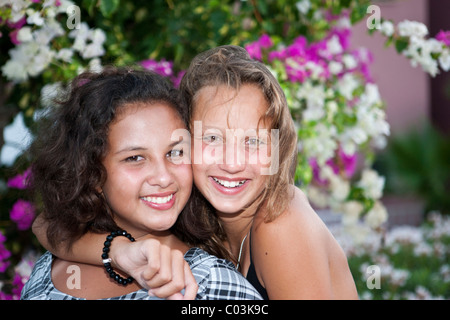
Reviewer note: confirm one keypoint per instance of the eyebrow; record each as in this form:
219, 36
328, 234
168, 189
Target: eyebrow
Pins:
131, 148
139, 148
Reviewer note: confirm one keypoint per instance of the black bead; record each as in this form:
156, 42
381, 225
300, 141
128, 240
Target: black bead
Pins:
106, 249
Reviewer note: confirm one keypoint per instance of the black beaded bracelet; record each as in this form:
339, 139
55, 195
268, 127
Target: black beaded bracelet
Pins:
107, 260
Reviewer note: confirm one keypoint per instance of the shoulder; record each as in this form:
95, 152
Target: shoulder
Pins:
297, 242
217, 278
298, 220
40, 279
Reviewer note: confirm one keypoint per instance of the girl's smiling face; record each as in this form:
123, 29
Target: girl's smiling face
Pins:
148, 183
235, 146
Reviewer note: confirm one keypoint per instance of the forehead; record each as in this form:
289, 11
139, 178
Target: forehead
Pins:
225, 106
144, 123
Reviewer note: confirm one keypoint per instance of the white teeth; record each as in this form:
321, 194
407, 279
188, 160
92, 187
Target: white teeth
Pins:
158, 200
229, 184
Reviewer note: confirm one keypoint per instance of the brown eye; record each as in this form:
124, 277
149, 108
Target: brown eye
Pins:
212, 139
134, 159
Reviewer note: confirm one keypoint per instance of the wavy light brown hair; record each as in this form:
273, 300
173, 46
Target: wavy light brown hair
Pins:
232, 66
71, 142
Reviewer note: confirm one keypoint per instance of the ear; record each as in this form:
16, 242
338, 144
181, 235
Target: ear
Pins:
99, 190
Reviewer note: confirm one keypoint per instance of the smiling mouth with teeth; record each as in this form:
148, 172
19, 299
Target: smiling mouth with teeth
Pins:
158, 200
229, 184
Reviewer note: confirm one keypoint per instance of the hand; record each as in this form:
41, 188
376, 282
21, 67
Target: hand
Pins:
156, 267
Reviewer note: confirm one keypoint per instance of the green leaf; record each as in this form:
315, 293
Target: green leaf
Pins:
401, 44
108, 7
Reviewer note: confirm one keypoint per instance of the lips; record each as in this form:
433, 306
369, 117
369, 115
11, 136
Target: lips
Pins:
229, 186
228, 183
163, 201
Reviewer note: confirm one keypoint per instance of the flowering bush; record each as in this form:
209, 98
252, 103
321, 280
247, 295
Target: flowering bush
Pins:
411, 262
333, 99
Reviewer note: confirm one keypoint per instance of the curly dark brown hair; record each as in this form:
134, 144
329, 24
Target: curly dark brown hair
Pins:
71, 142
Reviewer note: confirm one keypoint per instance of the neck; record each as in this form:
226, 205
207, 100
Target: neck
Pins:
236, 228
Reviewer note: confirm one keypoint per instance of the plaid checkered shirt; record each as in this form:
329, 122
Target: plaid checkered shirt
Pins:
217, 279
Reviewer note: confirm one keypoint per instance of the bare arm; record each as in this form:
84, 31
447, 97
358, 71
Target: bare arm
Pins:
153, 265
86, 250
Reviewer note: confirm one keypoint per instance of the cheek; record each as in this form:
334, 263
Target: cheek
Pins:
183, 174
121, 184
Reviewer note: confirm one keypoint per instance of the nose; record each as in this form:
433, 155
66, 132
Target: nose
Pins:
160, 174
233, 158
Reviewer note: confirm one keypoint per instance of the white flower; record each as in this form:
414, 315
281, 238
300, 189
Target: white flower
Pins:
408, 28
40, 61
372, 184
340, 188
321, 146
24, 34
83, 35
444, 59
377, 215
335, 67
351, 211
316, 70
346, 85
49, 92
95, 65
303, 6
92, 50
351, 137
315, 100
404, 235
18, 8
64, 4
343, 22
371, 95
65, 55
332, 108
334, 46
387, 28
349, 61
15, 71
34, 17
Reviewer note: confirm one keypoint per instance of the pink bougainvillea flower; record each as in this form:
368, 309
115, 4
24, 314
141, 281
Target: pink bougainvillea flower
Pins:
444, 37
4, 254
265, 41
344, 162
18, 24
162, 67
177, 79
19, 181
22, 213
13, 37
341, 162
254, 49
